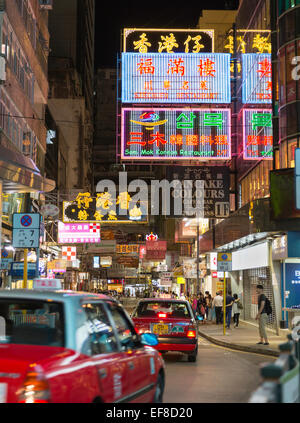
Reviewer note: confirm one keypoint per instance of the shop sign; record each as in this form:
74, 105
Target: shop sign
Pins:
176, 78
213, 261
105, 261
292, 284
166, 282
17, 269
127, 248
180, 280
280, 248
216, 182
103, 208
257, 134
176, 134
152, 40
256, 78
156, 250
78, 233
68, 253
249, 41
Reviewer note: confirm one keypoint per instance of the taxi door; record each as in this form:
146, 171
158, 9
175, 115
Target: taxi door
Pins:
106, 355
140, 367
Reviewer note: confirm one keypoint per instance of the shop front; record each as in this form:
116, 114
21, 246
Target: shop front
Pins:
253, 266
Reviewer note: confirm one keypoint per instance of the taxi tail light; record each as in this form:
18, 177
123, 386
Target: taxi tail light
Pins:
35, 389
191, 333
162, 315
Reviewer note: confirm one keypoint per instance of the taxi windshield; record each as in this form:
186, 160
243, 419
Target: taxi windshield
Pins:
170, 309
32, 322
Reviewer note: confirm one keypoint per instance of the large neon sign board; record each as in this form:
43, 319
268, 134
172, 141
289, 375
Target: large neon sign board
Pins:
256, 78
175, 134
257, 134
176, 78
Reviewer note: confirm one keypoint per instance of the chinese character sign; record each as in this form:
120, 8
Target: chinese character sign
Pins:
257, 78
77, 233
176, 78
147, 40
257, 134
104, 208
175, 134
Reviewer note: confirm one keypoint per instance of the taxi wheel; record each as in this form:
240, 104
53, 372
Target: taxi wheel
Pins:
192, 358
159, 391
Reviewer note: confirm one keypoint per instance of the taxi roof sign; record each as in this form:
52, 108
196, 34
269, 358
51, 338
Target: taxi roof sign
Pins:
46, 283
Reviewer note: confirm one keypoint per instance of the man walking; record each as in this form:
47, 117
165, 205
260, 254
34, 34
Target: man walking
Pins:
218, 304
262, 315
229, 302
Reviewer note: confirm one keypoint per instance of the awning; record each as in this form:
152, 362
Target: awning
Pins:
20, 174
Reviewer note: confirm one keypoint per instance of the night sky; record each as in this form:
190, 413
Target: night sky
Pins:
111, 18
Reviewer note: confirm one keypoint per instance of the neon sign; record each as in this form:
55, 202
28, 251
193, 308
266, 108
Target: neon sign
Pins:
257, 134
150, 40
256, 78
176, 78
104, 208
180, 134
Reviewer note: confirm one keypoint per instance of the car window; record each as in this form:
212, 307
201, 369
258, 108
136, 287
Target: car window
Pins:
125, 331
100, 337
171, 309
33, 322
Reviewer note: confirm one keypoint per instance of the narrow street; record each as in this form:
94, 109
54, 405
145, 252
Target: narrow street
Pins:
220, 375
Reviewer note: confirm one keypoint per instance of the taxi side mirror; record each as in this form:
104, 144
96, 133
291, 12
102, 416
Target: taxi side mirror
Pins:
149, 339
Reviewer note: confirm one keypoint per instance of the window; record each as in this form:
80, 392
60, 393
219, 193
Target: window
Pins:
97, 331
126, 333
172, 309
32, 322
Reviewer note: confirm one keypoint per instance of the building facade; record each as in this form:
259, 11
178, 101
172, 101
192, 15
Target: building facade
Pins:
23, 98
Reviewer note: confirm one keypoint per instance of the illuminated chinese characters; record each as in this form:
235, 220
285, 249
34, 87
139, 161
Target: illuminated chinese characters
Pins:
168, 41
181, 134
176, 78
257, 78
103, 208
257, 134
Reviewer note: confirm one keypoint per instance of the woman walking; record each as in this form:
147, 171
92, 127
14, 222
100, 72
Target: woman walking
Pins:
236, 310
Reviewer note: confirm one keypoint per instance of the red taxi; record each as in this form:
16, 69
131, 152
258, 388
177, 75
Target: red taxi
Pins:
65, 346
172, 321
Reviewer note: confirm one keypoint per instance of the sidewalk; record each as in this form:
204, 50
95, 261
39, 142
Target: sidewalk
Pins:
243, 338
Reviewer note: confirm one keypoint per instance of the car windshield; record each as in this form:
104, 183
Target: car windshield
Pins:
171, 309
32, 322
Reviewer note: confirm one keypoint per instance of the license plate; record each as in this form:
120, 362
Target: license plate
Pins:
3, 392
160, 329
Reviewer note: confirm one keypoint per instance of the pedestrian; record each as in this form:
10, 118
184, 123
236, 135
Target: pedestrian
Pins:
229, 303
262, 315
236, 310
194, 303
218, 304
201, 305
208, 305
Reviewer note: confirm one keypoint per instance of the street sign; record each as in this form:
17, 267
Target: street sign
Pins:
26, 220
26, 238
224, 262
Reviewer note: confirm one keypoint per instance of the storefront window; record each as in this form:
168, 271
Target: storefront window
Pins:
292, 145
283, 155
12, 203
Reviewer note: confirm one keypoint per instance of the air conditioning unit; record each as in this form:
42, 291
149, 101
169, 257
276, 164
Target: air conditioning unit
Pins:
46, 4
